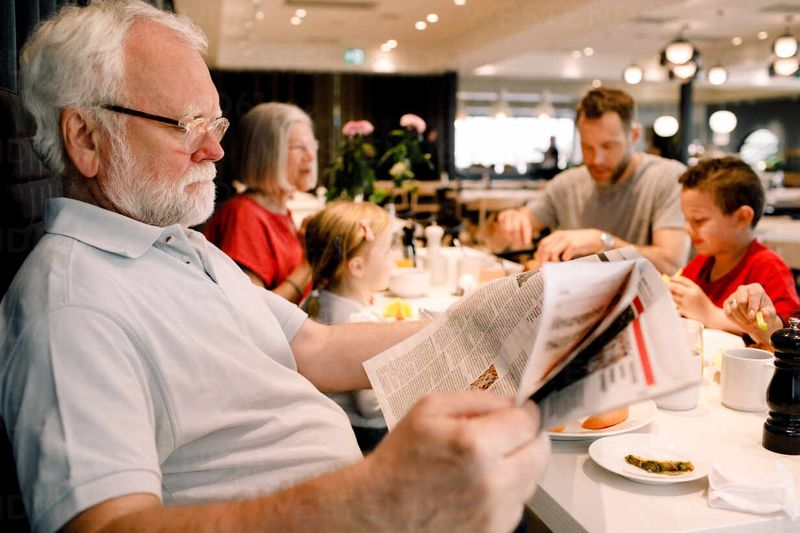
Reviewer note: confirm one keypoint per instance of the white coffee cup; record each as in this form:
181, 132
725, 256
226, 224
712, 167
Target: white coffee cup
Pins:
744, 378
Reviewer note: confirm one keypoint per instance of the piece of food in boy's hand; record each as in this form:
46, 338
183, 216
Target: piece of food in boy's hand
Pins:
398, 309
762, 324
607, 419
666, 278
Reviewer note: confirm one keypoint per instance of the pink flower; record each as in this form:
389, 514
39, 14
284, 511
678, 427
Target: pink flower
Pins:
412, 121
357, 127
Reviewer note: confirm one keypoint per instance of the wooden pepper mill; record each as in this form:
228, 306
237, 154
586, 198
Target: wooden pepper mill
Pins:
782, 428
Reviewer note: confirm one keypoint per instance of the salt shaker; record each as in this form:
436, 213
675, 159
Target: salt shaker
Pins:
434, 260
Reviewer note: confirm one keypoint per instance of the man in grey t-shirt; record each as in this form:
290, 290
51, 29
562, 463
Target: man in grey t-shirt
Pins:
617, 198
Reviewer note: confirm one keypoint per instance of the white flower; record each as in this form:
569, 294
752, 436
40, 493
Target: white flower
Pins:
398, 169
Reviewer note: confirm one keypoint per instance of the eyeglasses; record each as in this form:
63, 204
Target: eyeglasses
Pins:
193, 130
310, 147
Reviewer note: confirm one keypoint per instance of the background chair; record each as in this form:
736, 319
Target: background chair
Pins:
25, 183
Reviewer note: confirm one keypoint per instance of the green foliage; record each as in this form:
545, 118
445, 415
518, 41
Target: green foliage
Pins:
351, 173
405, 152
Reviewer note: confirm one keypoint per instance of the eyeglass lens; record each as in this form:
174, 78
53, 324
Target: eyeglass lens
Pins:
198, 128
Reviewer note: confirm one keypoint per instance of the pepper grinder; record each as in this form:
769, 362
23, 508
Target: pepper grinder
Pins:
782, 428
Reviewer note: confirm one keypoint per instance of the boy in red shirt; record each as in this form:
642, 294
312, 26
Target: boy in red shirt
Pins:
723, 200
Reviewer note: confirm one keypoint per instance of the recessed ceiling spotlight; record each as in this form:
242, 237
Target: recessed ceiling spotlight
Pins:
736, 41
576, 54
420, 25
385, 48
433, 18
459, 2
259, 15
300, 13
762, 35
295, 21
596, 83
392, 43
588, 51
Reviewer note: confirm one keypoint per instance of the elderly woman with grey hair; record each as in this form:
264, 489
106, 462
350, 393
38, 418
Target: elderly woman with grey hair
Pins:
275, 155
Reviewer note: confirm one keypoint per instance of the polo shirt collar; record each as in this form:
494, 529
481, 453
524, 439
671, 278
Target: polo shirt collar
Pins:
100, 228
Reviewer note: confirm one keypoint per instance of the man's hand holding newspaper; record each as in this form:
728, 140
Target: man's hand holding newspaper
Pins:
578, 337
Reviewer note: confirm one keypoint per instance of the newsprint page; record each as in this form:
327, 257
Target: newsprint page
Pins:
579, 337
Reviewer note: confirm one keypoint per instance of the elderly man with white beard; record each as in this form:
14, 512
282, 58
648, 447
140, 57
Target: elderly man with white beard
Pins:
146, 384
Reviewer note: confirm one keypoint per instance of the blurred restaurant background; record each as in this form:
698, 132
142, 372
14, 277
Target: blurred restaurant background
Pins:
498, 78
498, 81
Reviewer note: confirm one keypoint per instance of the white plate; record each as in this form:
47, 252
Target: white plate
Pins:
610, 454
639, 415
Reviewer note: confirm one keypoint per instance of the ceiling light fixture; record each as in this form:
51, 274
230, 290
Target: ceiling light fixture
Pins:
295, 20
392, 43
633, 74
785, 46
588, 51
433, 18
679, 51
762, 35
576, 54
420, 25
722, 122
717, 75
385, 48
785, 66
459, 2
684, 72
666, 126
736, 41
545, 108
300, 13
681, 58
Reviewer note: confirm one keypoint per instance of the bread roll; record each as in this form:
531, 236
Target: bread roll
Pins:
607, 419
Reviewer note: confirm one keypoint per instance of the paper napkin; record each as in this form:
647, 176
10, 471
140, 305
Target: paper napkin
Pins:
753, 493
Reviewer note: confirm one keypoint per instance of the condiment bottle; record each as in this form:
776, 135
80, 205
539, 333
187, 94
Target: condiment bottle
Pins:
782, 428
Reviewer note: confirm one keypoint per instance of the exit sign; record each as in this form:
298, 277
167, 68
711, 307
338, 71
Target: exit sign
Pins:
354, 56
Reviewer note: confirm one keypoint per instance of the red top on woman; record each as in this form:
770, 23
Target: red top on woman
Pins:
259, 240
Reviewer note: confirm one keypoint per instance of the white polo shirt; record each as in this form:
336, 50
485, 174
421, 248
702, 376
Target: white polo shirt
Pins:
141, 359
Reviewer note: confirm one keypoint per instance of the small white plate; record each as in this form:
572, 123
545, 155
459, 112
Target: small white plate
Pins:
639, 415
610, 454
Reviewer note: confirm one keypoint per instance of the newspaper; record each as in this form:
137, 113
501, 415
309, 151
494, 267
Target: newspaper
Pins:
578, 337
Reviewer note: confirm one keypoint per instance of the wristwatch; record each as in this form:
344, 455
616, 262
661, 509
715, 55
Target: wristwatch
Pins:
606, 240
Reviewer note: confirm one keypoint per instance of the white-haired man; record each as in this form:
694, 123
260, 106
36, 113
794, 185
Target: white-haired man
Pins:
145, 383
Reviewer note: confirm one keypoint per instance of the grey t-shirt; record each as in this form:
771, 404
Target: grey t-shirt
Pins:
631, 209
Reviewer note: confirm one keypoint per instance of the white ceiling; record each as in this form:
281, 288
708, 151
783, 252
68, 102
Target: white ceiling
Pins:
508, 39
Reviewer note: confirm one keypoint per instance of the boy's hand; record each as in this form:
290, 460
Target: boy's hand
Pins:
742, 308
691, 301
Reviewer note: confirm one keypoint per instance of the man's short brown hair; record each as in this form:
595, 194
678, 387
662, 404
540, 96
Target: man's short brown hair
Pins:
598, 102
730, 182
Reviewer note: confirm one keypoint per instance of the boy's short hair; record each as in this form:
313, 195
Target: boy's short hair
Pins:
730, 182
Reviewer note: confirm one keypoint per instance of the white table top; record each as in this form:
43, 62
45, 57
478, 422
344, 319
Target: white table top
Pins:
576, 494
